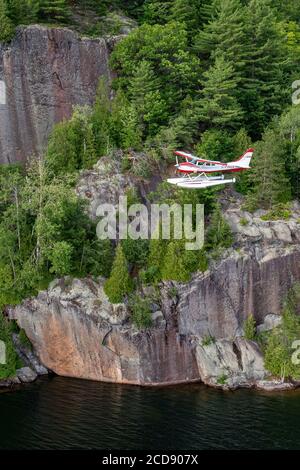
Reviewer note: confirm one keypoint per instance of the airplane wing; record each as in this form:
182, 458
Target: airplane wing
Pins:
192, 157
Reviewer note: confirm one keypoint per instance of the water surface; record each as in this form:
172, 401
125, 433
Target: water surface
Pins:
62, 413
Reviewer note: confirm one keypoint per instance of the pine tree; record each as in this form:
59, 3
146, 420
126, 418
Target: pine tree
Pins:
156, 11
270, 183
89, 157
100, 119
147, 100
191, 13
262, 90
22, 12
219, 233
224, 34
218, 105
119, 283
6, 26
289, 130
131, 135
173, 266
54, 10
63, 149
157, 250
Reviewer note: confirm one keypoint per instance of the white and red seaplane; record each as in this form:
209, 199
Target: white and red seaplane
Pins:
194, 170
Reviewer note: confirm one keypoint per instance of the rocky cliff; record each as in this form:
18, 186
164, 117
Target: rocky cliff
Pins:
46, 71
77, 332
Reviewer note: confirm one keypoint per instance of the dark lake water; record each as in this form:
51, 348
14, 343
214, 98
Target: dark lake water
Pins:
64, 413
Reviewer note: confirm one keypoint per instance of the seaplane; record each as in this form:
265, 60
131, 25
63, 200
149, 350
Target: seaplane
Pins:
195, 170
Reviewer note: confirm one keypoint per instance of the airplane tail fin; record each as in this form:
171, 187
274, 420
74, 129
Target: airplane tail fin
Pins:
245, 159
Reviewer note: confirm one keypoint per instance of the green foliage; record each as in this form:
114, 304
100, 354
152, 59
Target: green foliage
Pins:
219, 233
44, 230
243, 221
60, 258
278, 212
263, 91
279, 347
250, 328
8, 369
23, 12
119, 283
216, 144
24, 339
157, 58
289, 131
173, 292
140, 311
53, 10
6, 25
208, 76
72, 143
270, 183
222, 379
173, 267
136, 251
100, 118
218, 106
157, 12
207, 340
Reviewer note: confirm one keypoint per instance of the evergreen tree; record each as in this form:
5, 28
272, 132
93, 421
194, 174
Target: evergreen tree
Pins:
62, 151
131, 133
218, 106
89, 157
54, 10
60, 258
219, 234
262, 90
193, 13
289, 130
22, 12
156, 11
173, 69
6, 26
119, 283
157, 250
224, 34
145, 96
100, 119
214, 143
173, 266
270, 183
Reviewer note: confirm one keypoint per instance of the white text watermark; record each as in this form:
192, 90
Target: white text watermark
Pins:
157, 221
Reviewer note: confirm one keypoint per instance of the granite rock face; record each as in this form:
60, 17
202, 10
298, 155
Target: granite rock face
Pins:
77, 332
218, 301
46, 72
104, 183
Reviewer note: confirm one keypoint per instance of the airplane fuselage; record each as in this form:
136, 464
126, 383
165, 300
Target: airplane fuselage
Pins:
194, 168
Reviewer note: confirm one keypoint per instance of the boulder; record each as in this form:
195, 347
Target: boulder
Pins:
271, 321
230, 364
26, 375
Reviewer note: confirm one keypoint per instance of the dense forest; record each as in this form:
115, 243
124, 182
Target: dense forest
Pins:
211, 76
